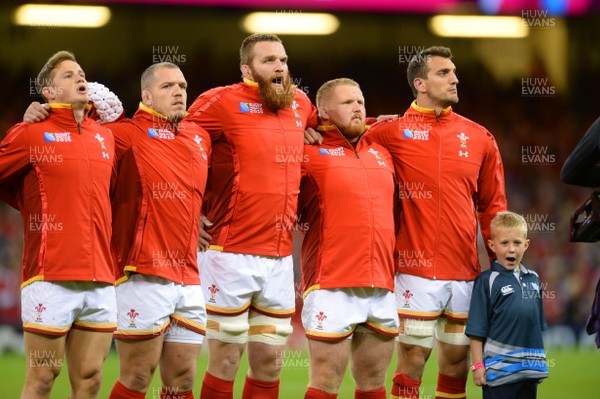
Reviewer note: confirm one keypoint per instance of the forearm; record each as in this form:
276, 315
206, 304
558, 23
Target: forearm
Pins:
476, 344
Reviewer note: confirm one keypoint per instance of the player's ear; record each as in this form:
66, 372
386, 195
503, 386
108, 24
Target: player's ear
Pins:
419, 84
246, 72
49, 93
147, 97
323, 113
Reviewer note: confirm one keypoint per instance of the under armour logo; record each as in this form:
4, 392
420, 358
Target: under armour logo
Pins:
463, 154
105, 155
299, 123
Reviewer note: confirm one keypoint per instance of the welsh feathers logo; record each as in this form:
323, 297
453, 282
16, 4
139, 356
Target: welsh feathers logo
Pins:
213, 292
132, 316
198, 141
375, 153
320, 319
39, 310
463, 145
407, 295
100, 139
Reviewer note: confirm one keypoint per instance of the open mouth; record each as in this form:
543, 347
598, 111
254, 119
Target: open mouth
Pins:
511, 259
82, 89
277, 81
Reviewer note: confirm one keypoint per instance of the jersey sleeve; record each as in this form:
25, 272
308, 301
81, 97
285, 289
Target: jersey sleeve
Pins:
14, 152
379, 133
491, 193
478, 320
581, 167
207, 112
120, 131
312, 119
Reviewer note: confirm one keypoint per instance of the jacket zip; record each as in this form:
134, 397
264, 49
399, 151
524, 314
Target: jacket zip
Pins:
87, 158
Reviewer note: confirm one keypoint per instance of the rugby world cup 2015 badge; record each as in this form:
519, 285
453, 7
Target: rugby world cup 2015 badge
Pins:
252, 108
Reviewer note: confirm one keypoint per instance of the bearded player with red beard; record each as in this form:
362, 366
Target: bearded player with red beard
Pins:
257, 128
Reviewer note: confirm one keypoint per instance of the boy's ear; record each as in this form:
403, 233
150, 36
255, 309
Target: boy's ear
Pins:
491, 245
526, 244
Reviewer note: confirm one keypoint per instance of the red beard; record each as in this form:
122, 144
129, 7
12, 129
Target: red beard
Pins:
278, 97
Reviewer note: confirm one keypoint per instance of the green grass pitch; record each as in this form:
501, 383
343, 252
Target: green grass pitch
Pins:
573, 374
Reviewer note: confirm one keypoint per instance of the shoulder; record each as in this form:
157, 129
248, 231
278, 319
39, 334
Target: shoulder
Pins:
98, 127
484, 275
221, 92
386, 123
384, 126
214, 96
21, 131
122, 126
193, 129
533, 273
301, 96
468, 123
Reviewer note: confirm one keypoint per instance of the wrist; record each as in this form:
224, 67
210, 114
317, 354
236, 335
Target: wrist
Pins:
477, 366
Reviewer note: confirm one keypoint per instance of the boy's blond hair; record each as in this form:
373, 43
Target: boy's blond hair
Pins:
508, 220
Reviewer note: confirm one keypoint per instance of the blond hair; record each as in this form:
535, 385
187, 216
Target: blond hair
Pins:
148, 75
508, 220
328, 87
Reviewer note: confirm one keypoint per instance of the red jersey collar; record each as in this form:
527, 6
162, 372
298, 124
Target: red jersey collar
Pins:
144, 110
429, 111
63, 113
250, 83
332, 136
